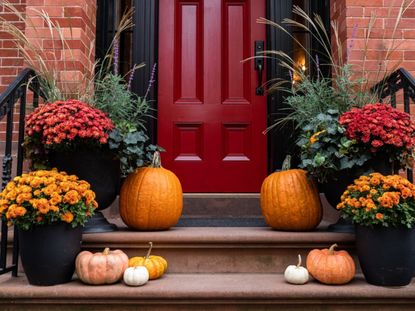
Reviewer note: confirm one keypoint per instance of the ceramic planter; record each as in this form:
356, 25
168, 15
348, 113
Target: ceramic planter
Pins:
48, 253
386, 255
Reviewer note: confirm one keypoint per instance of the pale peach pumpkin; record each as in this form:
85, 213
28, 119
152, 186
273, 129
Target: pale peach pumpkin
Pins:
290, 201
106, 267
151, 198
331, 267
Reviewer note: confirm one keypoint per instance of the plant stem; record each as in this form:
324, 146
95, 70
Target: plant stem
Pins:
149, 250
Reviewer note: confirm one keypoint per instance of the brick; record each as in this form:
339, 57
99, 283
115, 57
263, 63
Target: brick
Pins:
365, 3
73, 11
404, 23
409, 55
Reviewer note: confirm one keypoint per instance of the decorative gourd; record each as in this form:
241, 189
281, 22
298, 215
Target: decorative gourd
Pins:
331, 267
156, 265
151, 198
290, 200
296, 274
101, 268
136, 276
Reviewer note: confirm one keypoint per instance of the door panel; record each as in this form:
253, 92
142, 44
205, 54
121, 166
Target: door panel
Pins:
209, 119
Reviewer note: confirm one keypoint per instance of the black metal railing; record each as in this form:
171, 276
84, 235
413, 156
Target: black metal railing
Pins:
399, 80
17, 92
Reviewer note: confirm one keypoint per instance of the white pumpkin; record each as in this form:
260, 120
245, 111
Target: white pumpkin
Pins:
296, 274
136, 276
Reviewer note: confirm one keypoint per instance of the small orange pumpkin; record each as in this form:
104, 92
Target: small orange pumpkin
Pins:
156, 265
101, 268
331, 267
290, 200
151, 198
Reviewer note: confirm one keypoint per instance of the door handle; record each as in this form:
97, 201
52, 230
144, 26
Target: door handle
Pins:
259, 66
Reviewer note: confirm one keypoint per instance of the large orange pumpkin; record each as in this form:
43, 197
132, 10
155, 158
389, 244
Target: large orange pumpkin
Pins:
331, 267
101, 268
151, 198
290, 200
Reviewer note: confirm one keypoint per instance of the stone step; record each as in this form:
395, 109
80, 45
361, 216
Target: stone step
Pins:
187, 291
221, 249
199, 209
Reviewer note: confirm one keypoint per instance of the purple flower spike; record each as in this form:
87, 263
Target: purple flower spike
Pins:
350, 46
151, 82
116, 56
131, 78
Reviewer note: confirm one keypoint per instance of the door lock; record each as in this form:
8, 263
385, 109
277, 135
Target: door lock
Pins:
259, 66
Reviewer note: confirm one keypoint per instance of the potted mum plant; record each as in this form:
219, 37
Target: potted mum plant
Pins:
73, 137
337, 149
49, 209
383, 210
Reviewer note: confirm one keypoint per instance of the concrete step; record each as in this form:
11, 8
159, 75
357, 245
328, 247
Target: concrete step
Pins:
221, 249
187, 291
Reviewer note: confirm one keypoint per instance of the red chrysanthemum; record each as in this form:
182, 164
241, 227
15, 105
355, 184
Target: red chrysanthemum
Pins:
380, 125
65, 121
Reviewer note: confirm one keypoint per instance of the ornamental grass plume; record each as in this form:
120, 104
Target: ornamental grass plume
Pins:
376, 199
46, 197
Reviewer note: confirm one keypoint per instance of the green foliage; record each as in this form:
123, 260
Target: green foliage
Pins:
128, 112
311, 97
324, 148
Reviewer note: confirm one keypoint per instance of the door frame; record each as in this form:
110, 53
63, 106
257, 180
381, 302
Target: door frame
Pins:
145, 49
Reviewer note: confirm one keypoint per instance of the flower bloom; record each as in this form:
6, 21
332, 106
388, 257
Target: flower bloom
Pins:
64, 121
379, 127
44, 197
378, 199
67, 217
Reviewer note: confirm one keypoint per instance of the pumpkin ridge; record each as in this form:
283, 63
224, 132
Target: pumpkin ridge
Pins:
137, 214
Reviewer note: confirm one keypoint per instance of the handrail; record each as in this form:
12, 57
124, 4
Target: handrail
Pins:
401, 79
16, 92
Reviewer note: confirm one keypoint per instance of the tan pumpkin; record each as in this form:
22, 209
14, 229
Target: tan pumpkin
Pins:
331, 267
290, 200
156, 265
106, 267
151, 198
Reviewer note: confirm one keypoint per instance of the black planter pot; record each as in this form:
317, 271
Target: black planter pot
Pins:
386, 254
334, 187
48, 253
102, 171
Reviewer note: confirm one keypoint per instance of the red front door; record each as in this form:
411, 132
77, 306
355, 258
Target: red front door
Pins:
209, 119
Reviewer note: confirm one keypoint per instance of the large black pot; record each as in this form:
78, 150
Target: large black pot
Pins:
386, 255
102, 171
48, 253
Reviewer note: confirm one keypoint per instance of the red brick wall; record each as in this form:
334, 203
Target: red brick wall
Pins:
370, 56
10, 61
78, 21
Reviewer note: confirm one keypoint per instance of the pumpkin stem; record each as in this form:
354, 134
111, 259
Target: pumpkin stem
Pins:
299, 261
156, 160
106, 251
286, 165
149, 250
331, 249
